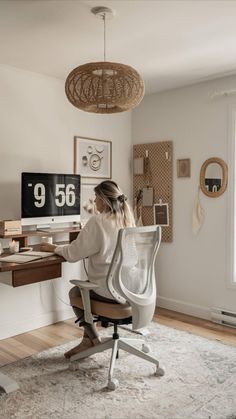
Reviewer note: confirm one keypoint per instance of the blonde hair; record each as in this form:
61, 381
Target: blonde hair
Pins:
116, 203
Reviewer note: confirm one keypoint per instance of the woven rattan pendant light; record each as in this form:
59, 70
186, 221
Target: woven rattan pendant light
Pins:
104, 87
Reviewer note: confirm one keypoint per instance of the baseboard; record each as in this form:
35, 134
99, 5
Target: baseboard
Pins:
26, 325
183, 307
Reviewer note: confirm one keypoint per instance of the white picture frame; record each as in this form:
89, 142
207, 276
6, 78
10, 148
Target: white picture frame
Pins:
161, 214
92, 157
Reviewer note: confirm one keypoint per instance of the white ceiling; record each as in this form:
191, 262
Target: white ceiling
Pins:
171, 43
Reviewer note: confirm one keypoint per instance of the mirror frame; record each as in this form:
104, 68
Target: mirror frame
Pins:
224, 168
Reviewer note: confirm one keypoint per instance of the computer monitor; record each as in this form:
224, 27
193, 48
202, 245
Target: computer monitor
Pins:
49, 198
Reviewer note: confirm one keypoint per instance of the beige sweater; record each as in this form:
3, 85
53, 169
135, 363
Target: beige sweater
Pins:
97, 241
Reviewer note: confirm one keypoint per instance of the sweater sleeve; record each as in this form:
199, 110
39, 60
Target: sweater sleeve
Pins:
87, 243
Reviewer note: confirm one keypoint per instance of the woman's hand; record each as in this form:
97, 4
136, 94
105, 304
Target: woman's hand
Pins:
47, 247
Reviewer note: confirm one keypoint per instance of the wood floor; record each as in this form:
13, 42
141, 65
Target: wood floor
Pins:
26, 344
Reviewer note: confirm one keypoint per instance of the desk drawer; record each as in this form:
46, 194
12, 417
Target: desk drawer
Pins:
32, 275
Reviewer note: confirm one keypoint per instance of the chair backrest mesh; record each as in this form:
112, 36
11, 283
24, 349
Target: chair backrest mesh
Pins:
136, 254
131, 277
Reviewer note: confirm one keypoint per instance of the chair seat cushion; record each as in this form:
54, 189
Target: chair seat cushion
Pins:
100, 308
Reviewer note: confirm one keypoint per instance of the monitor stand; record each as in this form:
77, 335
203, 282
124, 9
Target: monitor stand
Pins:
43, 227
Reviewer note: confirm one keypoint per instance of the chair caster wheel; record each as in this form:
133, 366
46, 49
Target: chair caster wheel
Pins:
145, 348
113, 384
159, 372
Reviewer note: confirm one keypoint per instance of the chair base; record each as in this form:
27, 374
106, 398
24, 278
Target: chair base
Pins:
8, 384
126, 344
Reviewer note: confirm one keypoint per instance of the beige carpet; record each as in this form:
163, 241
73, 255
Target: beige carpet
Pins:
200, 383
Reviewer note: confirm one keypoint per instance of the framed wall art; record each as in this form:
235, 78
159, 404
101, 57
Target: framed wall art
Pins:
92, 157
161, 214
183, 168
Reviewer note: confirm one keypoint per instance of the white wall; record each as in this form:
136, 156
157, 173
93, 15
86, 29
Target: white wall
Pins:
193, 269
37, 126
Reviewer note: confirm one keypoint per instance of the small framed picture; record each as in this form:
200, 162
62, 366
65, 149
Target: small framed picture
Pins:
92, 157
161, 214
183, 168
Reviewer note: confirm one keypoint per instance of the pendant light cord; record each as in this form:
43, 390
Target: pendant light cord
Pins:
104, 22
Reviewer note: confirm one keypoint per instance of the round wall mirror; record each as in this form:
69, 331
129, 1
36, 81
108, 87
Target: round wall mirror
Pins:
214, 177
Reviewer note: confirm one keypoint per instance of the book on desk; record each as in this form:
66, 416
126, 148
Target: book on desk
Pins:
28, 256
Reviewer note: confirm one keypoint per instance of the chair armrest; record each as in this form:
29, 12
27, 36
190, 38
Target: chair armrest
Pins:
85, 287
84, 284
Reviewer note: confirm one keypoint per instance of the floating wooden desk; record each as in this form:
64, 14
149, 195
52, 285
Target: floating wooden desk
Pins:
35, 271
40, 269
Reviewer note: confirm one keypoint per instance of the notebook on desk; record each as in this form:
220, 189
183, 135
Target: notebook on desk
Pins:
40, 255
25, 257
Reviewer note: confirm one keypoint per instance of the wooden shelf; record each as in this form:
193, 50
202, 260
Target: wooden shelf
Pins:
40, 233
23, 237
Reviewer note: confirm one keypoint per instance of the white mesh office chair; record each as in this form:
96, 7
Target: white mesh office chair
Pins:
131, 281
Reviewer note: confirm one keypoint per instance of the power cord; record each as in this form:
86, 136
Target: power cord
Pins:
57, 296
85, 268
86, 271
55, 291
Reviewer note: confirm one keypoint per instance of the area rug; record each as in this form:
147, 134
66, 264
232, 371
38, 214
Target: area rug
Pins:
199, 382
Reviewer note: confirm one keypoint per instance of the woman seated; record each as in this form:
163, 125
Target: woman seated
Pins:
97, 242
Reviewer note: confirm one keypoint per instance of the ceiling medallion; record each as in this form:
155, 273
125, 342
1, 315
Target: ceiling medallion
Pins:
104, 87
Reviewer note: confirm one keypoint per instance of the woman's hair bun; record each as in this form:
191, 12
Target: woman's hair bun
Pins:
122, 198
